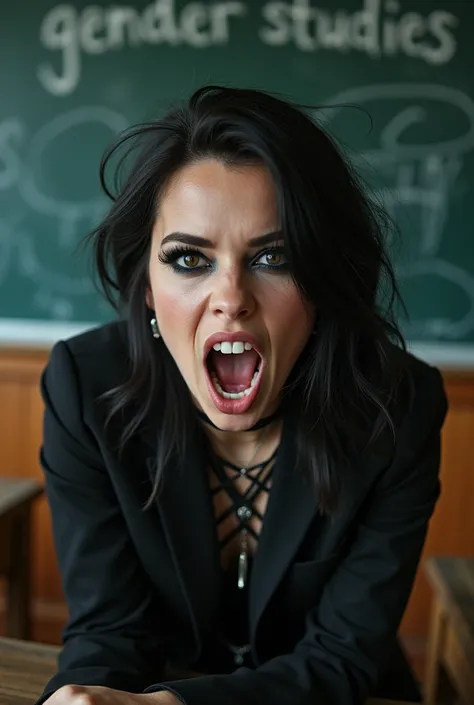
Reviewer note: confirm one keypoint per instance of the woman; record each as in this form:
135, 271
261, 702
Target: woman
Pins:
240, 473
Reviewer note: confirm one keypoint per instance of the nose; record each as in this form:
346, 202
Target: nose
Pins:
232, 298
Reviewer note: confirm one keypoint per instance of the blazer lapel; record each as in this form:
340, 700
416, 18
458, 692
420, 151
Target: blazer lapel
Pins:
185, 509
290, 510
292, 506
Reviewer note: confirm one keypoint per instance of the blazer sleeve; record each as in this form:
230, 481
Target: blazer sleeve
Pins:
349, 632
108, 639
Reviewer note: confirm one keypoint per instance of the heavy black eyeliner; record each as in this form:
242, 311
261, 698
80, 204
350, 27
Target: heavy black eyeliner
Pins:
278, 250
173, 254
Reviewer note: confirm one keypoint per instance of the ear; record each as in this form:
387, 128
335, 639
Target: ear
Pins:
149, 299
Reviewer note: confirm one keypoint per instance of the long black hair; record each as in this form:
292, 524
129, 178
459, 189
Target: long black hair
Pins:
342, 387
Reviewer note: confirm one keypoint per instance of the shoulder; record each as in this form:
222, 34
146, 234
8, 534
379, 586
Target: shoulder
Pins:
104, 348
82, 369
97, 359
411, 413
422, 389
417, 413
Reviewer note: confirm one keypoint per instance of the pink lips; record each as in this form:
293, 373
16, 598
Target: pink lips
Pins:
232, 406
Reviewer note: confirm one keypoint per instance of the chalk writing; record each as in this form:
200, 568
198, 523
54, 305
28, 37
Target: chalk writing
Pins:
68, 218
421, 175
47, 204
378, 28
12, 133
96, 30
72, 125
6, 243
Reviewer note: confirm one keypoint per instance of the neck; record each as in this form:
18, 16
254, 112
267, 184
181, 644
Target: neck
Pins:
266, 421
240, 446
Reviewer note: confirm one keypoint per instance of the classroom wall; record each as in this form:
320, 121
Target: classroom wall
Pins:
451, 530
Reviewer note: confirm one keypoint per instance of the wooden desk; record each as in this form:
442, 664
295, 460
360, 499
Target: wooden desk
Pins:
451, 640
16, 500
26, 667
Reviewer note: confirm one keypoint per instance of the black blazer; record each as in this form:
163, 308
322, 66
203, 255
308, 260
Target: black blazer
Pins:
326, 595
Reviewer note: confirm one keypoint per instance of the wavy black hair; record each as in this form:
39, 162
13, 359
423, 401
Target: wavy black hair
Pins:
342, 387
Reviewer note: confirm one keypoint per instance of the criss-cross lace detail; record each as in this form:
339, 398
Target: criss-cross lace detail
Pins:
243, 508
242, 504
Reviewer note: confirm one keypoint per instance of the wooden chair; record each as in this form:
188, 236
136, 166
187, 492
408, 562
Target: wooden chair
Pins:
16, 501
450, 659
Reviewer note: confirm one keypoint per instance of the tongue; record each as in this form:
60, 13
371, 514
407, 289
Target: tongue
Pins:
234, 372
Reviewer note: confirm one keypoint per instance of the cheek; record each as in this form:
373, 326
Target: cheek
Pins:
169, 310
171, 301
171, 315
290, 325
178, 317
290, 316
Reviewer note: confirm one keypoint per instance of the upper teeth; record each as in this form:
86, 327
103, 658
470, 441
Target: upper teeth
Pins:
232, 348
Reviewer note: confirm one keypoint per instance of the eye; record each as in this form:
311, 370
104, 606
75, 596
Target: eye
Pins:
273, 259
190, 261
184, 260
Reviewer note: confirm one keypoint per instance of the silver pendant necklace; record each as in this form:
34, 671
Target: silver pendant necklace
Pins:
245, 513
245, 468
258, 476
243, 502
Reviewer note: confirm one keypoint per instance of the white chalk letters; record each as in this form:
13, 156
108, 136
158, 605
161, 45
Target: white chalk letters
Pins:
378, 28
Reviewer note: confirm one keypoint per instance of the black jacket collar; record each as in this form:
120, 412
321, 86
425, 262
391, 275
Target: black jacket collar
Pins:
191, 531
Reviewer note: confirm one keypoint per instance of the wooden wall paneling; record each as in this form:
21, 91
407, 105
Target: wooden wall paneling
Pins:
21, 415
10, 413
46, 572
451, 530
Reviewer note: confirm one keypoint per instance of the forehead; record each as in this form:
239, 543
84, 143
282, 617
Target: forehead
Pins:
210, 197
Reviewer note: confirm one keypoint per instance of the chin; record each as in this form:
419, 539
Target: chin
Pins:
233, 422
228, 420
237, 421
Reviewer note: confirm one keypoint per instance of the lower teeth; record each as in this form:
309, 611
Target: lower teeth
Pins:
234, 395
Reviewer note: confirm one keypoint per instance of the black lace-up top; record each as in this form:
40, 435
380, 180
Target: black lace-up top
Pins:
234, 623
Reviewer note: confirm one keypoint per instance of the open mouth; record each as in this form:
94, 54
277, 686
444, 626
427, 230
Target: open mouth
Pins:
233, 375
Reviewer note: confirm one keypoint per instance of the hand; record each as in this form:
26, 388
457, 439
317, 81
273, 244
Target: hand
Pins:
98, 695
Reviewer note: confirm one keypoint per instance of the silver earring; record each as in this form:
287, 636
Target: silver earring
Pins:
154, 328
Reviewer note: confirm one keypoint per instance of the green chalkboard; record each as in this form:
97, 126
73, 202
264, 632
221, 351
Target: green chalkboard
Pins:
74, 74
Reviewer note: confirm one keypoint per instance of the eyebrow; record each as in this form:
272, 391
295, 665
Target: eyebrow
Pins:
198, 241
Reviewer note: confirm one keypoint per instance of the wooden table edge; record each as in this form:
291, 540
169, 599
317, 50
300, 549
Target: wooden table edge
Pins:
50, 652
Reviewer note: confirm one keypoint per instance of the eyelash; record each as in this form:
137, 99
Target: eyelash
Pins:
171, 257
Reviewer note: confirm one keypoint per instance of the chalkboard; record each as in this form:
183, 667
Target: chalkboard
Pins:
72, 75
